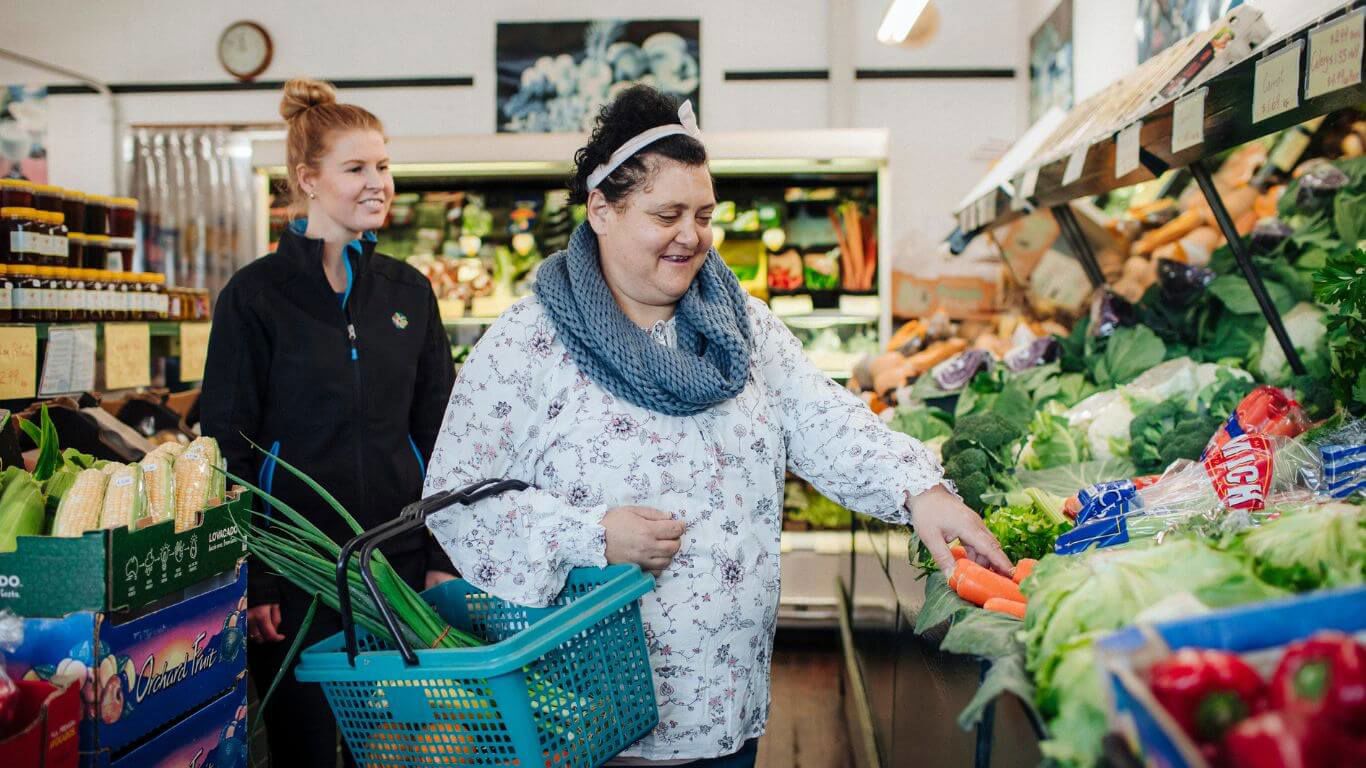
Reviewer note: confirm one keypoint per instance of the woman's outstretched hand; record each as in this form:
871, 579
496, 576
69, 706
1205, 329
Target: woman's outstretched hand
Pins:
939, 517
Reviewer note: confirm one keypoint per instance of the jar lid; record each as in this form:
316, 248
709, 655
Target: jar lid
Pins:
98, 240
158, 278
57, 217
72, 194
124, 202
16, 184
15, 210
78, 236
47, 189
97, 199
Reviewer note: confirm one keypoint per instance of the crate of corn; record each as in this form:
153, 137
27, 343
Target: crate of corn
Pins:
126, 535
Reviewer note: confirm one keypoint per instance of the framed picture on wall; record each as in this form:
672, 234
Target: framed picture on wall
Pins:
554, 77
1163, 22
1050, 62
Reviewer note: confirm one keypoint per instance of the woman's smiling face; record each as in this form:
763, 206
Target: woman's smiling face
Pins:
653, 243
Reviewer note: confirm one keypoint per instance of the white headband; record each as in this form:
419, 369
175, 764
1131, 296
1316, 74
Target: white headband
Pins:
644, 139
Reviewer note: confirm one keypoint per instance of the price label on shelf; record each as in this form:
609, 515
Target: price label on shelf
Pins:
194, 350
1276, 83
1031, 181
787, 306
69, 362
1188, 120
1335, 51
1075, 164
127, 355
18, 362
988, 204
1126, 150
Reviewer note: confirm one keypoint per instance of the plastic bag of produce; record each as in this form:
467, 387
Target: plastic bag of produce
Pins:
1344, 460
1264, 411
1243, 475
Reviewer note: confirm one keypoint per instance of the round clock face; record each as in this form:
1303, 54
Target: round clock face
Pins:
244, 50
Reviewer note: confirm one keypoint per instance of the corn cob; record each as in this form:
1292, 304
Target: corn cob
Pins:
171, 449
110, 467
198, 482
79, 510
125, 500
158, 475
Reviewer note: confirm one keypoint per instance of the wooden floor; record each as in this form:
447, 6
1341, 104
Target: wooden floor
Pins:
805, 725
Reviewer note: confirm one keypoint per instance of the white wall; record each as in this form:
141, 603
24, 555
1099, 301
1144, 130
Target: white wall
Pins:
938, 127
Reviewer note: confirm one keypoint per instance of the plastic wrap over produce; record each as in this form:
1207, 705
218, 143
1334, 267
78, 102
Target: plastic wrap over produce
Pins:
1243, 474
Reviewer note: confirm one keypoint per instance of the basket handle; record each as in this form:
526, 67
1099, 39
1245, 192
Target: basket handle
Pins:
413, 516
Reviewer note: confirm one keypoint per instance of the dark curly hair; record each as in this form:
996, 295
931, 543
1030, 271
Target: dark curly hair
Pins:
637, 109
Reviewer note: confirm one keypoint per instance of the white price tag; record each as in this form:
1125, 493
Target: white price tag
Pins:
1188, 120
1018, 201
1276, 83
1031, 181
1126, 150
69, 365
989, 208
1075, 164
1335, 51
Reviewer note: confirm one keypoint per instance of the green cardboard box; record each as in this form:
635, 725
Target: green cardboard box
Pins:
119, 569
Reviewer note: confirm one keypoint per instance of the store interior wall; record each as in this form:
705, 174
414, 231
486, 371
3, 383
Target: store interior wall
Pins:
944, 132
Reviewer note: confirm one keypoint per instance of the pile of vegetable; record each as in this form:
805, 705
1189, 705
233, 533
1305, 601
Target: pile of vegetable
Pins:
1311, 711
69, 493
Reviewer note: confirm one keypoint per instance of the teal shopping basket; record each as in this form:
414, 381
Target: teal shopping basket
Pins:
566, 686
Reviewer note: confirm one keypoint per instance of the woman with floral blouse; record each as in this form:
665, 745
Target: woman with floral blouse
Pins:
655, 409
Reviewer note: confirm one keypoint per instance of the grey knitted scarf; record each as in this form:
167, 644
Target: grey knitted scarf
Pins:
710, 363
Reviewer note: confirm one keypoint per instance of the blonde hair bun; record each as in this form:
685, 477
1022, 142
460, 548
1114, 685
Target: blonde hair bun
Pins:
302, 93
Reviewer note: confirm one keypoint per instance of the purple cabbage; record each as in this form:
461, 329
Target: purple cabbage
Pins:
1033, 354
1317, 187
1181, 283
1108, 312
1268, 235
955, 373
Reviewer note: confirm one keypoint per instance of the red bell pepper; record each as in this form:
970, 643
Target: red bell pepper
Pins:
1323, 678
1206, 691
1288, 740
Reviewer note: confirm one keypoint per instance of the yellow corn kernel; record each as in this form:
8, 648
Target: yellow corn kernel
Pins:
192, 486
79, 510
124, 501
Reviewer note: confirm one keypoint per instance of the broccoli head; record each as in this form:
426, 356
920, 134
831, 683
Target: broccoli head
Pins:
985, 431
970, 470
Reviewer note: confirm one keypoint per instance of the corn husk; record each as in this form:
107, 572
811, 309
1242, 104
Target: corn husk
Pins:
158, 475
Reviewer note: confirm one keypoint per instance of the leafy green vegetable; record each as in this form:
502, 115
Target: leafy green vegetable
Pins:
1342, 284
1349, 216
923, 423
1053, 443
1005, 675
1221, 396
941, 603
1320, 547
1029, 530
1237, 295
978, 455
982, 633
43, 435
1307, 330
1065, 481
1128, 353
1162, 433
993, 392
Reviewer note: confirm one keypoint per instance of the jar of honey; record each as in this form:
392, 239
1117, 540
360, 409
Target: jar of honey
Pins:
16, 193
96, 254
96, 215
123, 217
47, 197
18, 235
6, 295
73, 206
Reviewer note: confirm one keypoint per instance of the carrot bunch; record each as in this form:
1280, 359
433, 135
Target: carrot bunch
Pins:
989, 589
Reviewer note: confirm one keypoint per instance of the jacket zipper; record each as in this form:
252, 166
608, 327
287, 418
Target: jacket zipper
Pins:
358, 415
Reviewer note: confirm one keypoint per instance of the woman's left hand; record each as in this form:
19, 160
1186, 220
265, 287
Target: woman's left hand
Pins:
437, 577
939, 517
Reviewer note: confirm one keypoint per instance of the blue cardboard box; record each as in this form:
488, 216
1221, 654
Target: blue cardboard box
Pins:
1257, 630
141, 674
214, 736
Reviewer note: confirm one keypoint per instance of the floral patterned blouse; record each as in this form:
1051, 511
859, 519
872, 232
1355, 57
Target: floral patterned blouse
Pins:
522, 409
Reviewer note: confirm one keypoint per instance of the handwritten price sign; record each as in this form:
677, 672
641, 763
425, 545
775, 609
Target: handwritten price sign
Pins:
1335, 55
18, 362
194, 348
127, 355
1276, 84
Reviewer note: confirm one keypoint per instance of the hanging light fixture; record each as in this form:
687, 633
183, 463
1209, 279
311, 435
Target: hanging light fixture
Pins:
901, 16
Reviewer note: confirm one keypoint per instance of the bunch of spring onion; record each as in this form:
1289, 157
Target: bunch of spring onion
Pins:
299, 551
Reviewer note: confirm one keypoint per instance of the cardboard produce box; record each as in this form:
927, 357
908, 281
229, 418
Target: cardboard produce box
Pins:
53, 714
140, 674
215, 735
119, 569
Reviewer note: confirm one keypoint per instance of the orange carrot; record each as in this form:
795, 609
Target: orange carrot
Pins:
958, 552
996, 584
1008, 607
957, 573
1023, 569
